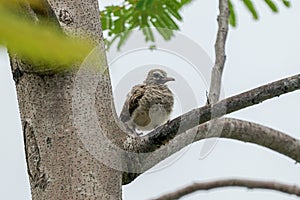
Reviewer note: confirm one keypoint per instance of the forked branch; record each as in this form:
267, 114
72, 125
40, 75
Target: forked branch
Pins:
163, 134
239, 130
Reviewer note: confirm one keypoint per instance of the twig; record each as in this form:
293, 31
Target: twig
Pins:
216, 75
250, 184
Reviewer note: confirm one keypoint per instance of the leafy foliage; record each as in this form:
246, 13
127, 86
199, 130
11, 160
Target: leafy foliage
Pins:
118, 21
250, 6
29, 39
287, 3
272, 5
232, 17
252, 9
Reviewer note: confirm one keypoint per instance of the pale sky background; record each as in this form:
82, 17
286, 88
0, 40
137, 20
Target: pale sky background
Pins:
257, 53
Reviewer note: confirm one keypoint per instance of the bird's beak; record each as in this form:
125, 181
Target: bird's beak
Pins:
167, 79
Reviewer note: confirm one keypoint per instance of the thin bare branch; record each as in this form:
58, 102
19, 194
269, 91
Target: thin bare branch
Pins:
220, 57
250, 184
217, 71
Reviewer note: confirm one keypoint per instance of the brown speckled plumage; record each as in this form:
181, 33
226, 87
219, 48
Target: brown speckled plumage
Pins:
148, 105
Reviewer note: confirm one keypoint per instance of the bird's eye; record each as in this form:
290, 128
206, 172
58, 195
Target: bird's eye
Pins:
156, 75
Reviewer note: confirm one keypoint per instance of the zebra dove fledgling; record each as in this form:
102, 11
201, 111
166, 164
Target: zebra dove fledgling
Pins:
150, 104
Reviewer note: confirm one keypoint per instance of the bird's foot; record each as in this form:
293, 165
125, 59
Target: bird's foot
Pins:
131, 130
139, 134
168, 122
207, 98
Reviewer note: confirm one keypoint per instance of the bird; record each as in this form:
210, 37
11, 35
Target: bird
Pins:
148, 105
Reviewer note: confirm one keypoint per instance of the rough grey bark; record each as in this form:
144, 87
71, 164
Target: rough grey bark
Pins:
59, 165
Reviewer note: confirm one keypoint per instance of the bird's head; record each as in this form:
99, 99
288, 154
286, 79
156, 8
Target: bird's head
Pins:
157, 76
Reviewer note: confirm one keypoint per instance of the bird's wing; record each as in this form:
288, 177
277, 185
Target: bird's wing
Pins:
132, 102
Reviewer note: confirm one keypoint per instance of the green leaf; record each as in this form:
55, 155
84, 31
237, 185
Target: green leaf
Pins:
140, 14
232, 17
108, 43
272, 5
118, 26
143, 4
146, 28
183, 2
35, 3
162, 14
152, 47
144, 20
148, 34
251, 8
173, 11
106, 21
168, 21
165, 33
148, 3
40, 43
123, 38
160, 27
287, 3
177, 5
134, 19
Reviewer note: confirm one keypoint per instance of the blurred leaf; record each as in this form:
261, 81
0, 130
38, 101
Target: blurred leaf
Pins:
168, 22
140, 5
148, 34
173, 11
165, 33
272, 5
183, 2
40, 43
232, 18
152, 47
123, 38
287, 3
36, 3
251, 8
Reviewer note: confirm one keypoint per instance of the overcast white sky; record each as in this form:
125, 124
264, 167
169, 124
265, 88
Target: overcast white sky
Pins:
257, 53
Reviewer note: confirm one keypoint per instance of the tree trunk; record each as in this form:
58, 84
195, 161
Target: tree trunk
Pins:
59, 164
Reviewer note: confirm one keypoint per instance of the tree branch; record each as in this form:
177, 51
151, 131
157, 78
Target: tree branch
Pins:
250, 184
251, 132
220, 57
230, 128
217, 71
163, 134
